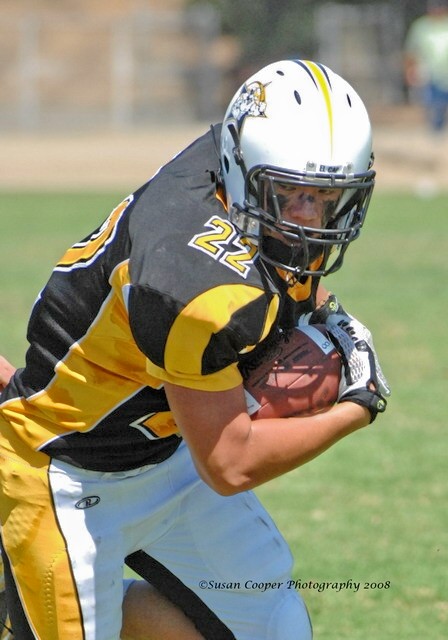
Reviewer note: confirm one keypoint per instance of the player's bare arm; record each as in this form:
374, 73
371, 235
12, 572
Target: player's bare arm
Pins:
234, 453
6, 371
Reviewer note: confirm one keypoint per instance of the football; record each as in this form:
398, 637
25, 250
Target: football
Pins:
298, 376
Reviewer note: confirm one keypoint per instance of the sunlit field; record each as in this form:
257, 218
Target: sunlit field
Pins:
368, 521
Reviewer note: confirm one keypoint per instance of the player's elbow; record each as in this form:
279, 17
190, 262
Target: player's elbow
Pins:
227, 479
226, 487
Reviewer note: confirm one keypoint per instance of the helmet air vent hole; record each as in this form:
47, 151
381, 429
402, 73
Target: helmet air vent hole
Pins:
349, 101
226, 164
280, 73
297, 97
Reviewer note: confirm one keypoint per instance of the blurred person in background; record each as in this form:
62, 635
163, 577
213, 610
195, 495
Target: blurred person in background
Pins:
426, 62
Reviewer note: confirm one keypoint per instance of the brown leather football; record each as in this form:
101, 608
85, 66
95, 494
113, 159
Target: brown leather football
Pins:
299, 376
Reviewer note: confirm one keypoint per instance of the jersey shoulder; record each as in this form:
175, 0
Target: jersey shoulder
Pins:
182, 241
197, 297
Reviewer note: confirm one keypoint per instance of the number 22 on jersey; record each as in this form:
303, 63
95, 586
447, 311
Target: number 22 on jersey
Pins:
223, 243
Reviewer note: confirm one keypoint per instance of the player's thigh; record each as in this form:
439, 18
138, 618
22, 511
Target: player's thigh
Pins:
229, 553
34, 549
92, 521
232, 537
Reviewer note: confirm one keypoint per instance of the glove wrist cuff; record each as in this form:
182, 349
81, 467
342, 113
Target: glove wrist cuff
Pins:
371, 400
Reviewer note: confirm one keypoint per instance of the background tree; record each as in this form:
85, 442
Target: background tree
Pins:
274, 29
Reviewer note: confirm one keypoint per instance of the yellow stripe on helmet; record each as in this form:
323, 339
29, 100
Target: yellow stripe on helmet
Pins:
322, 80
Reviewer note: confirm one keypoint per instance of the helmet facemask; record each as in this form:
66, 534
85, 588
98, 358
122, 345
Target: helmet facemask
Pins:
295, 247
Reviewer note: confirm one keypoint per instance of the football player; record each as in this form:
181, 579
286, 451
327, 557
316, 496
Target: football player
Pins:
126, 436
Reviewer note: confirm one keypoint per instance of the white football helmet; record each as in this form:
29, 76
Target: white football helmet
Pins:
296, 122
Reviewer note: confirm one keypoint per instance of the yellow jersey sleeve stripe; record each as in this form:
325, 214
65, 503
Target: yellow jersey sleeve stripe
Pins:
189, 337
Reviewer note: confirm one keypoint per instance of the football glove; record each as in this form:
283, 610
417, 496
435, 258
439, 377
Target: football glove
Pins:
331, 308
362, 380
331, 313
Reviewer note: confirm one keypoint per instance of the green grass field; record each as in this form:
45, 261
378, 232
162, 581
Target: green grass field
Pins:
373, 509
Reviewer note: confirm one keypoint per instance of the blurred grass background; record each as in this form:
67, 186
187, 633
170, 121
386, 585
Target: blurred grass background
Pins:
374, 508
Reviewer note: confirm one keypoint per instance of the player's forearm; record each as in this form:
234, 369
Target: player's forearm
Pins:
273, 447
287, 444
232, 453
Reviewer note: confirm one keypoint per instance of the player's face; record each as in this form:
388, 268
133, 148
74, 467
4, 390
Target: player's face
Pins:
307, 206
298, 211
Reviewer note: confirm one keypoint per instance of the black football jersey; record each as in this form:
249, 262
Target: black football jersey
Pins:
164, 290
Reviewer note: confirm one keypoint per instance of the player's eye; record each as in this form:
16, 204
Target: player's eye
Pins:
330, 193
